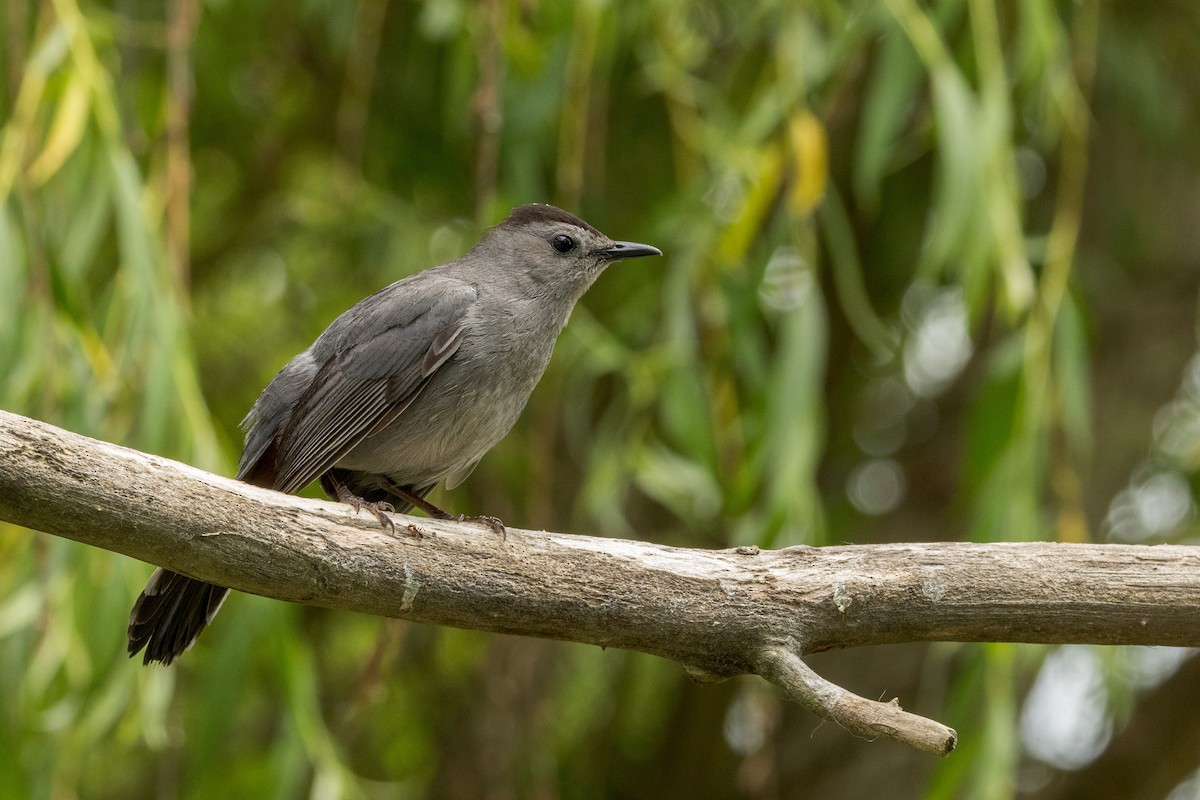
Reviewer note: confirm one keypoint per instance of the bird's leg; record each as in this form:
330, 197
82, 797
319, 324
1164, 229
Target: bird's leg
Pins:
429, 508
331, 484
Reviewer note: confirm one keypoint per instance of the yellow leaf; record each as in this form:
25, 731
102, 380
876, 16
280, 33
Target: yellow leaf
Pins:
760, 193
810, 162
65, 133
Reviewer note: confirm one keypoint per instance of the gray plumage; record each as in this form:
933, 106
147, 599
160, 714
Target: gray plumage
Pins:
406, 390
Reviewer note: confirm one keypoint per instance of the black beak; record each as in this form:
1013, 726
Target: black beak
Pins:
621, 250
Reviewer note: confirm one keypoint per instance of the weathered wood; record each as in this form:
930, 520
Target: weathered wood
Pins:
719, 613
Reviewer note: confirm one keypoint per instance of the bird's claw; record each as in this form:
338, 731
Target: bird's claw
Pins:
380, 510
348, 497
492, 522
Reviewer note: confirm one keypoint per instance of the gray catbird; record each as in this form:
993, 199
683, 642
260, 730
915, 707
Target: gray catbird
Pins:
407, 389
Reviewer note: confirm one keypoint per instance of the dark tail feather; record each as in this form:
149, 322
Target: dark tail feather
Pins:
173, 609
170, 613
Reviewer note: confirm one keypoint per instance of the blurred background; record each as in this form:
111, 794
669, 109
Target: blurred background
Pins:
931, 274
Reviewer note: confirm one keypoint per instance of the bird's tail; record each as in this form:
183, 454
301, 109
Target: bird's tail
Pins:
170, 613
173, 609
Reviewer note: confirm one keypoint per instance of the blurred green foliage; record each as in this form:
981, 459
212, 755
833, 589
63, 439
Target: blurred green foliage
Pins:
930, 274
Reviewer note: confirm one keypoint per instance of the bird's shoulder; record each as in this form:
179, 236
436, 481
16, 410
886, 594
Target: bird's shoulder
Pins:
411, 311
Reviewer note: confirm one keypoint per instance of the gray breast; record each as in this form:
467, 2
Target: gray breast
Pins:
467, 406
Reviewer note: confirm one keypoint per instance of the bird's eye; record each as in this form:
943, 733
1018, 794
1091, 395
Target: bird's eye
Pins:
563, 244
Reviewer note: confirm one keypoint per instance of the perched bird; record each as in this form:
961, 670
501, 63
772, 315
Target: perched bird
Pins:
406, 390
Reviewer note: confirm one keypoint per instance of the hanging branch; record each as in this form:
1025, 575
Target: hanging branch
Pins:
718, 613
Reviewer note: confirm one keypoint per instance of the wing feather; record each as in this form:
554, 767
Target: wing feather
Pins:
360, 389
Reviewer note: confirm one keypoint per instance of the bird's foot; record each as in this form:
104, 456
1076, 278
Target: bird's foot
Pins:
380, 510
418, 500
483, 519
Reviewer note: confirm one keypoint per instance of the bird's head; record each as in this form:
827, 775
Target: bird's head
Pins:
556, 248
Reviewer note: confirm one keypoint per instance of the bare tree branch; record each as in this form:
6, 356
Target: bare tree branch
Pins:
867, 718
719, 613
